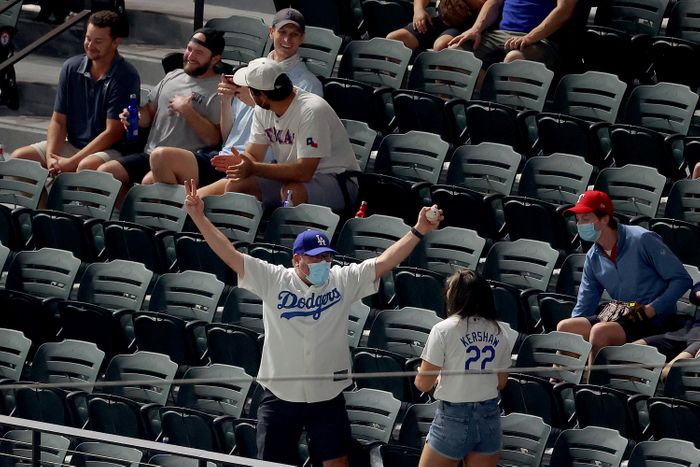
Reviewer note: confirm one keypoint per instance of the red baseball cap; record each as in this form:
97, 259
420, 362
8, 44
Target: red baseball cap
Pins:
592, 201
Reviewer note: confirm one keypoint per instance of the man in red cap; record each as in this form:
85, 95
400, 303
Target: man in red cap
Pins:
633, 265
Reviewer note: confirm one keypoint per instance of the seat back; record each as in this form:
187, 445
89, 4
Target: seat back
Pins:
524, 440
21, 182
665, 452
359, 312
570, 274
634, 189
95, 454
372, 414
86, 193
416, 424
404, 331
378, 62
67, 361
222, 391
43, 273
245, 37
674, 418
237, 215
362, 139
486, 168
593, 96
635, 380
364, 238
10, 17
188, 427
140, 367
13, 353
555, 349
233, 345
522, 263
557, 178
683, 381
190, 295
320, 50
683, 201
158, 206
286, 223
521, 84
415, 156
448, 73
590, 445
633, 17
448, 250
53, 448
664, 107
117, 284
245, 308
684, 21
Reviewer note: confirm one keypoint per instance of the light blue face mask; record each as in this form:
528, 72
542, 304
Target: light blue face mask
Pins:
319, 272
587, 232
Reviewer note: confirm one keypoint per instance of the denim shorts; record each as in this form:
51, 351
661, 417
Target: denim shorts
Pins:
464, 427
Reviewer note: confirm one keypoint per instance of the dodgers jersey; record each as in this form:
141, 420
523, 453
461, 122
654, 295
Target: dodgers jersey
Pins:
306, 326
474, 343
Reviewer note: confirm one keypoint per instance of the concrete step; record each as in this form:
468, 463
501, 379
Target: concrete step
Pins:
21, 130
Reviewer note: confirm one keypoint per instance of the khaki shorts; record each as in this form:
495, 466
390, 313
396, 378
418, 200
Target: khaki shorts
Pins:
68, 150
491, 49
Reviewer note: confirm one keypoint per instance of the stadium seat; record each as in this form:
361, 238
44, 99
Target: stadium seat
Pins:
319, 50
601, 446
524, 440
245, 37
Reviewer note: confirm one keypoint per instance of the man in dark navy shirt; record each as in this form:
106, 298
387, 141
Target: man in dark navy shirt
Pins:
92, 91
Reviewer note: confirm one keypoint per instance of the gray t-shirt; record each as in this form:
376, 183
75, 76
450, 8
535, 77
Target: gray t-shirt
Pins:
170, 128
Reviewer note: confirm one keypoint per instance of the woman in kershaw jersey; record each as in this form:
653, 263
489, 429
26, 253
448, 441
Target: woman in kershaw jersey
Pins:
467, 424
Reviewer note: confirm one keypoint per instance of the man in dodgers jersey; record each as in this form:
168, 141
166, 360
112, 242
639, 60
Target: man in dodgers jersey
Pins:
309, 144
305, 314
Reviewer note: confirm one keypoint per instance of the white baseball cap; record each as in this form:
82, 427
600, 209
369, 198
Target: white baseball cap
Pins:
260, 74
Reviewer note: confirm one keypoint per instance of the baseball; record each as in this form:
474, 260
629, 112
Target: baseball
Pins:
432, 214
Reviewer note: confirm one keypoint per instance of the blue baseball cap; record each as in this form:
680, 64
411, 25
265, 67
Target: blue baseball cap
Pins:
312, 243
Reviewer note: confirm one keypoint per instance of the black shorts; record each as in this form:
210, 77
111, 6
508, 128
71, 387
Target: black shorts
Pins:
136, 165
672, 343
207, 173
438, 28
280, 424
634, 330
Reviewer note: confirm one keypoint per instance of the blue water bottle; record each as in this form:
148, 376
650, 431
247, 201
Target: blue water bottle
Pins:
132, 133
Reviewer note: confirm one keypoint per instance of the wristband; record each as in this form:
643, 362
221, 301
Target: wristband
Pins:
415, 232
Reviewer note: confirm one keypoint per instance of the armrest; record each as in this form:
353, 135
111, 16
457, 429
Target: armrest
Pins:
125, 317
77, 406
636, 404
94, 228
674, 145
640, 220
165, 239
559, 390
22, 222
455, 109
600, 132
385, 104
150, 417
196, 329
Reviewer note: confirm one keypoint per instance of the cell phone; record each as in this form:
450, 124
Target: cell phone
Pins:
229, 78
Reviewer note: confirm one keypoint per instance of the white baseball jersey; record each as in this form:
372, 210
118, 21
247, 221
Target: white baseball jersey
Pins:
458, 344
306, 326
309, 128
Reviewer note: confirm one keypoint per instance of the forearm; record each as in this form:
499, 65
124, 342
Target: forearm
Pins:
219, 244
101, 142
146, 114
395, 254
488, 15
203, 128
553, 21
665, 304
288, 172
55, 137
226, 118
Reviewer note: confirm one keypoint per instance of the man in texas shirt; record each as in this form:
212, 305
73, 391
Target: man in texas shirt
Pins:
309, 144
305, 315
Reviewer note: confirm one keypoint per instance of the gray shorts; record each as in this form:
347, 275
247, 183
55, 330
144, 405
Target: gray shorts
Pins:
492, 42
323, 190
68, 150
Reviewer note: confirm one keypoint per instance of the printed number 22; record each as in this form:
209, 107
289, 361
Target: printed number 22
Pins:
486, 355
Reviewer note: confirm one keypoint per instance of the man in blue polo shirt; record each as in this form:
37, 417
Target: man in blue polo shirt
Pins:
92, 91
524, 32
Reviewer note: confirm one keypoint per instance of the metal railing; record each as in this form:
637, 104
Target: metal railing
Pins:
203, 457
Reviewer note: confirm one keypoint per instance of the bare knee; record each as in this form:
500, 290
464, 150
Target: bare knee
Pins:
696, 171
157, 158
116, 169
408, 39
442, 42
513, 55
28, 153
91, 162
580, 326
606, 334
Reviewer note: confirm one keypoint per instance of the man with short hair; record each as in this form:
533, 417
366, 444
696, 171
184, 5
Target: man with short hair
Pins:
309, 144
175, 165
524, 31
633, 265
305, 315
92, 90
182, 111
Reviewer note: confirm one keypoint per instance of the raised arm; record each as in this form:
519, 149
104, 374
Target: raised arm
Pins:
399, 251
216, 240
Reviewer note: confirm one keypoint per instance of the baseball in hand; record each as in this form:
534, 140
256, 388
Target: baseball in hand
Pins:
432, 214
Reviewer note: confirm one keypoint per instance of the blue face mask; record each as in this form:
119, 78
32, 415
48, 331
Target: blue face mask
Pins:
587, 232
319, 272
